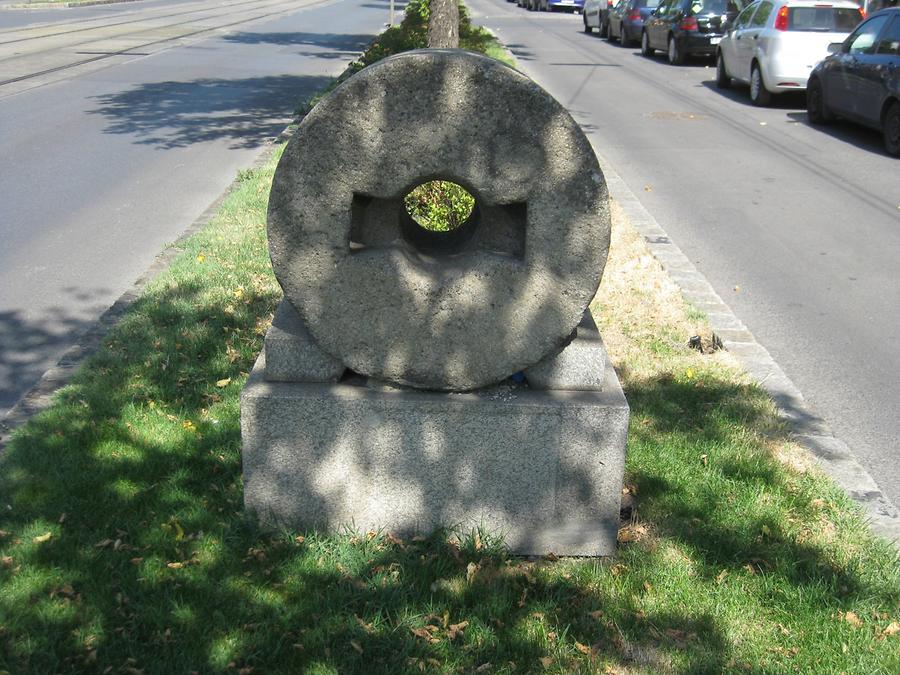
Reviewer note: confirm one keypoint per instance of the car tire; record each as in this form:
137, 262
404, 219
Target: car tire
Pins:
723, 81
891, 129
646, 49
676, 56
759, 95
587, 29
816, 110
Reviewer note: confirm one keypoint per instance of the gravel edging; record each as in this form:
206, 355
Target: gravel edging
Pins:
807, 428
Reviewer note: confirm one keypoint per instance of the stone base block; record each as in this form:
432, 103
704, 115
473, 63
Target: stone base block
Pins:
292, 354
580, 365
542, 468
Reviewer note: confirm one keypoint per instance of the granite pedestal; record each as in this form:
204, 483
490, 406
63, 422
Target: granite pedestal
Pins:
542, 467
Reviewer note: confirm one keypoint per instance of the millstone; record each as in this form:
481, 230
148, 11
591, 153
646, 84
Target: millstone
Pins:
446, 311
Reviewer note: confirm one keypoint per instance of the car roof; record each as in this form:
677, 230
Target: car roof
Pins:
841, 4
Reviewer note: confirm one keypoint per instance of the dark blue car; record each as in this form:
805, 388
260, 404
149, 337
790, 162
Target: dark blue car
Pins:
860, 79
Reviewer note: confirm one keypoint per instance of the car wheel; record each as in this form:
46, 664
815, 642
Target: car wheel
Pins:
892, 129
759, 95
676, 58
646, 49
816, 110
587, 29
723, 81
624, 40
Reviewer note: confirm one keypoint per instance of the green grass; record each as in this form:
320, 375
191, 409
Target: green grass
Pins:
124, 547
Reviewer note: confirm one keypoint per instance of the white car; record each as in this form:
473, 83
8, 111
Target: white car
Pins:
773, 45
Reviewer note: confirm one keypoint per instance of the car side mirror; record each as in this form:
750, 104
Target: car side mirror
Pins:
835, 47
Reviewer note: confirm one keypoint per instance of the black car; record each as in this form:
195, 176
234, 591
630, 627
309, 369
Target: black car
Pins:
684, 27
860, 80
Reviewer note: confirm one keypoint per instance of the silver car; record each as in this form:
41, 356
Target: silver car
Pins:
773, 46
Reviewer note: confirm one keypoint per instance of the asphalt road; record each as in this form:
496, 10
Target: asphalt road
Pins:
796, 228
119, 125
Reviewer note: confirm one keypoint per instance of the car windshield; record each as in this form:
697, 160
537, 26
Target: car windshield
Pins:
719, 7
652, 4
823, 19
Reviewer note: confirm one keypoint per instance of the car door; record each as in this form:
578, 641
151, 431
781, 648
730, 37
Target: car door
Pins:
875, 72
749, 44
843, 79
658, 27
733, 46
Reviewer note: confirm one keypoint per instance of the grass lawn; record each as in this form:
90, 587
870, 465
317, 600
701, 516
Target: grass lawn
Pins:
124, 548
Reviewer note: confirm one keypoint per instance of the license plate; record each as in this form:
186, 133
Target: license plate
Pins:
715, 40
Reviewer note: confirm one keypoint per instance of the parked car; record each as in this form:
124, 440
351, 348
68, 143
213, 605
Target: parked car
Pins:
595, 14
860, 81
684, 27
626, 20
573, 6
773, 46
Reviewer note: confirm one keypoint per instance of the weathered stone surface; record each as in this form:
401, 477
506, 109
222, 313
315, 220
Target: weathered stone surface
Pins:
448, 312
542, 468
580, 365
291, 353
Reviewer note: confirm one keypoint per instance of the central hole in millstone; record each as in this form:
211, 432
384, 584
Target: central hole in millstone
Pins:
439, 205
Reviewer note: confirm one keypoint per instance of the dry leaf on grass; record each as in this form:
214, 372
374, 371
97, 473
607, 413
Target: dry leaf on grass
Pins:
456, 629
223, 383
546, 661
356, 646
853, 619
41, 538
892, 629
471, 571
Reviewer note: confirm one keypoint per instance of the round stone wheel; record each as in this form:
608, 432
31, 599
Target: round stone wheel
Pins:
439, 310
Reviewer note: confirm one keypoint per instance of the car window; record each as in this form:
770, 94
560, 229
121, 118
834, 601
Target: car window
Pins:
890, 40
762, 15
823, 19
862, 41
652, 4
718, 7
743, 19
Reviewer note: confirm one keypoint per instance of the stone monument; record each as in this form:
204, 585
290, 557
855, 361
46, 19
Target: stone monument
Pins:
414, 378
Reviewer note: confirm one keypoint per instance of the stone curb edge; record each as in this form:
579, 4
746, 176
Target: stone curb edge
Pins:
63, 5
40, 396
807, 429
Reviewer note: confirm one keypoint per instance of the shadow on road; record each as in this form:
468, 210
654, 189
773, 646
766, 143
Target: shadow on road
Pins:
174, 114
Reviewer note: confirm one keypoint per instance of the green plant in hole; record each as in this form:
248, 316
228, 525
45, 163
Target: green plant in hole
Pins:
439, 205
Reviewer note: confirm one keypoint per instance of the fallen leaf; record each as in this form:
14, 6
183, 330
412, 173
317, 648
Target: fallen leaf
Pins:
424, 633
596, 614
852, 619
720, 577
223, 383
648, 587
175, 565
648, 188
483, 667
477, 541
892, 629
471, 571
3, 534
704, 459
584, 649
455, 629
356, 646
136, 561
299, 539
546, 661
41, 538
6, 561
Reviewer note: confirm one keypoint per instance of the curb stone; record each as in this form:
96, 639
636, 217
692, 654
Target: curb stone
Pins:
807, 428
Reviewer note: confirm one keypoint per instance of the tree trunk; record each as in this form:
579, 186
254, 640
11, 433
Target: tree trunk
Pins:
443, 24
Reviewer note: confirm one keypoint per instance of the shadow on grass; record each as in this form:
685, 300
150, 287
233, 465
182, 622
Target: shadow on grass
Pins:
150, 565
175, 114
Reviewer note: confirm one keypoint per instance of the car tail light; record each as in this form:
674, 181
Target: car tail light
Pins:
862, 14
609, 3
634, 15
781, 19
688, 23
